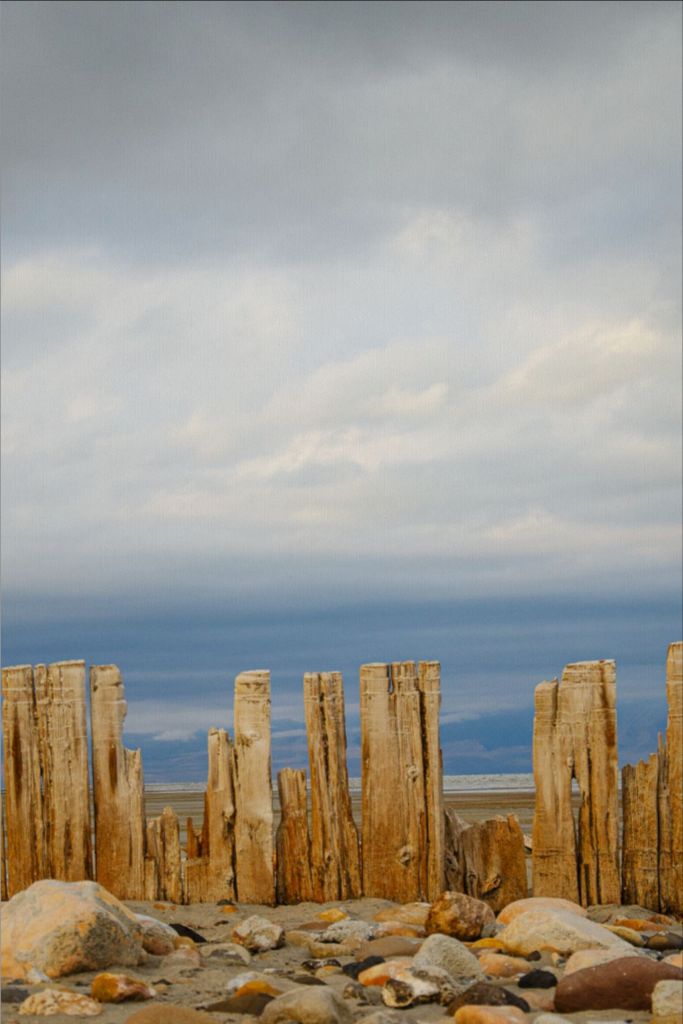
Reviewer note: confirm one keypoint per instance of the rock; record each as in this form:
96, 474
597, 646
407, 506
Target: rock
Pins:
256, 986
667, 999
328, 949
300, 937
58, 928
382, 1017
13, 994
633, 938
183, 957
225, 953
409, 989
592, 957
462, 917
308, 1006
258, 934
355, 969
483, 993
314, 965
387, 928
624, 984
676, 959
187, 932
52, 1001
489, 1015
119, 988
343, 931
538, 979
551, 1018
489, 943
540, 999
664, 940
169, 1013
332, 915
252, 1003
389, 947
409, 913
560, 931
450, 954
158, 937
381, 973
498, 965
512, 910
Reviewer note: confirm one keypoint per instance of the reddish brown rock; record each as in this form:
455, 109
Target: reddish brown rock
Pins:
460, 916
624, 984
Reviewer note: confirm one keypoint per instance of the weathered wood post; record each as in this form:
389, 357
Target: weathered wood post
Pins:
210, 868
640, 867
3, 855
400, 787
335, 860
293, 841
575, 738
63, 742
486, 859
671, 789
26, 854
429, 684
118, 790
254, 852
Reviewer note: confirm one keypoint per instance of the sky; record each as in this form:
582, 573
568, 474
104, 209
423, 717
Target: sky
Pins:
342, 332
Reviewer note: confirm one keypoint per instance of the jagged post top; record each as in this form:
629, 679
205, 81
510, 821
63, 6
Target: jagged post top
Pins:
400, 677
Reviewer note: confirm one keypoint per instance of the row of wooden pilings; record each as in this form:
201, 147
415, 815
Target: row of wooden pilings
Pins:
407, 847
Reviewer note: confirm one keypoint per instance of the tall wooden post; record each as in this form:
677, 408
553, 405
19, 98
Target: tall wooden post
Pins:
210, 870
63, 740
335, 861
254, 852
671, 789
26, 855
118, 790
293, 840
640, 868
575, 737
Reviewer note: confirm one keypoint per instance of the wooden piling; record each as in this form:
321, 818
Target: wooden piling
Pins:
486, 859
293, 842
671, 790
25, 833
118, 790
640, 867
63, 743
210, 867
429, 684
254, 845
335, 858
575, 738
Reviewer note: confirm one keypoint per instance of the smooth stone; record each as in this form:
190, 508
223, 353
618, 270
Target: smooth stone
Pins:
225, 953
592, 957
538, 979
332, 915
158, 937
187, 932
258, 934
381, 1017
483, 993
450, 954
408, 931
169, 1013
409, 989
624, 984
314, 965
253, 1003
332, 949
407, 913
676, 959
389, 946
308, 1006
489, 1015
183, 957
52, 1001
381, 973
460, 916
499, 965
120, 988
344, 931
629, 935
549, 903
353, 970
551, 1018
58, 928
667, 998
664, 941
540, 999
559, 931
13, 994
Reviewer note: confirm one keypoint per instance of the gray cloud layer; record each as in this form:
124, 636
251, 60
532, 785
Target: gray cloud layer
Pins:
341, 296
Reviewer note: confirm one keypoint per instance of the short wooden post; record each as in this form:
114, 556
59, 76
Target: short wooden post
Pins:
63, 739
254, 847
640, 869
26, 855
575, 737
486, 859
293, 840
335, 861
118, 790
210, 870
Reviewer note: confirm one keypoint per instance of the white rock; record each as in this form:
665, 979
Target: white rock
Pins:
342, 931
451, 955
667, 999
317, 1005
259, 934
560, 931
158, 937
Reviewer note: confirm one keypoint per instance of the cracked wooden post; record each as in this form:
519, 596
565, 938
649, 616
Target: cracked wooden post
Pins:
486, 859
671, 789
335, 859
398, 792
210, 869
429, 683
575, 737
118, 790
63, 740
170, 867
26, 860
3, 855
293, 840
152, 860
640, 868
254, 852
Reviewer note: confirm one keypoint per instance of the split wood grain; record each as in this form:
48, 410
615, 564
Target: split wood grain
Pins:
429, 683
210, 867
25, 833
335, 856
293, 844
63, 744
640, 857
117, 790
254, 842
486, 859
671, 790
